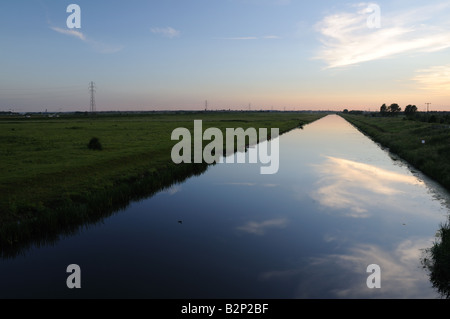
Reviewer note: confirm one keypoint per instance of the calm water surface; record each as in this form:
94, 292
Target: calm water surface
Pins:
337, 204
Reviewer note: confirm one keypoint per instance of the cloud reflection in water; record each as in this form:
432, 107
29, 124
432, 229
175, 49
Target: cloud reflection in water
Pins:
259, 228
344, 275
355, 186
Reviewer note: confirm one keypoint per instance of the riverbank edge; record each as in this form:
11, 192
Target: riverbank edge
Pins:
383, 138
47, 225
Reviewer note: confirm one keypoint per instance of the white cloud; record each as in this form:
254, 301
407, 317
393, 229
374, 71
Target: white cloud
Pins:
97, 46
347, 38
70, 32
435, 79
167, 32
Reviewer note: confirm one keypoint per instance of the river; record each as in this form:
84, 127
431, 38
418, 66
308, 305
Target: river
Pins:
338, 204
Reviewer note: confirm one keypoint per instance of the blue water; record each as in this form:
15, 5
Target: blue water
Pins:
338, 204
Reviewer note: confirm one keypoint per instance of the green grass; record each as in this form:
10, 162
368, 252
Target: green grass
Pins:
404, 138
52, 183
48, 169
437, 262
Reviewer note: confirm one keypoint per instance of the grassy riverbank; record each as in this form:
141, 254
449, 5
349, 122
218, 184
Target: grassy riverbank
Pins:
46, 164
426, 146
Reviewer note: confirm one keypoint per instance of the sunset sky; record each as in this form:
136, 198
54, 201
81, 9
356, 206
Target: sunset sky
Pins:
236, 54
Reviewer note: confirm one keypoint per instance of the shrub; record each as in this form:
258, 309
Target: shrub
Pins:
94, 144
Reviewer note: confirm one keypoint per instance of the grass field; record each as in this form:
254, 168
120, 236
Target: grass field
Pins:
47, 166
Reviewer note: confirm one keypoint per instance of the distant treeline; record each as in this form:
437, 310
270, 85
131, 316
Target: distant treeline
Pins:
152, 112
410, 113
431, 117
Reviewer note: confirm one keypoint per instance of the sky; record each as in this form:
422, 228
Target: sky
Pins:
234, 54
